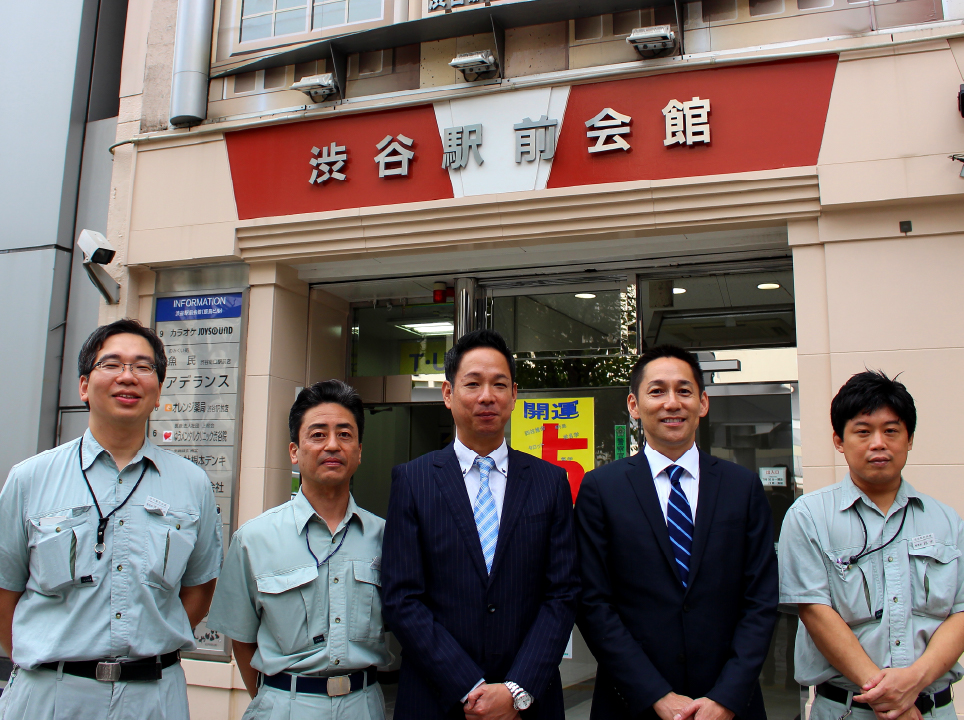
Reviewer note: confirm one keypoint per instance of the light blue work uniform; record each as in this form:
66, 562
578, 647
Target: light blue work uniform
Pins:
308, 615
124, 605
893, 599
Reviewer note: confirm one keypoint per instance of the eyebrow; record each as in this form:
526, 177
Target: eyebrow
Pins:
474, 374
660, 381
116, 356
339, 426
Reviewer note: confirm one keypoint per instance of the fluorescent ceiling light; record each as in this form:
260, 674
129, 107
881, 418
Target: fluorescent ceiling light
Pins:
585, 296
679, 291
768, 286
430, 328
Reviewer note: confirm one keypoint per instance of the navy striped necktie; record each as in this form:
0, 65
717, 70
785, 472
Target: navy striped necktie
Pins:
679, 522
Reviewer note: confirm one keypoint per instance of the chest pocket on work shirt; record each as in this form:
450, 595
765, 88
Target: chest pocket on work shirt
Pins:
170, 542
934, 578
62, 550
289, 602
366, 602
852, 588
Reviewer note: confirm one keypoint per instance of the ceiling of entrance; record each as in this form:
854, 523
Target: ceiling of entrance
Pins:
374, 276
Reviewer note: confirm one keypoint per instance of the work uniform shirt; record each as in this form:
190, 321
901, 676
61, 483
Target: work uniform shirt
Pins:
893, 599
125, 604
307, 614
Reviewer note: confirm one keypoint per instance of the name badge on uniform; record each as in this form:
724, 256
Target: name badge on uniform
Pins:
155, 506
923, 541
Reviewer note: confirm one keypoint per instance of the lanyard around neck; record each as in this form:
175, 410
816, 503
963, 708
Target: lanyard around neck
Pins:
332, 553
102, 519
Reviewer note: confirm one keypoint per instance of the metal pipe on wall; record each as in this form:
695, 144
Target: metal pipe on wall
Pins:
464, 305
192, 62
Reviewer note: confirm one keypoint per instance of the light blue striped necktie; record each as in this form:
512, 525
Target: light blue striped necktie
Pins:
679, 522
486, 517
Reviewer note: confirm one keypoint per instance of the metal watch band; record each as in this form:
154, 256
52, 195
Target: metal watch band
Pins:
521, 700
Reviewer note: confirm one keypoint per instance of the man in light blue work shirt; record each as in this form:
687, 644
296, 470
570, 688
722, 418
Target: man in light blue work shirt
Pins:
109, 551
300, 591
875, 569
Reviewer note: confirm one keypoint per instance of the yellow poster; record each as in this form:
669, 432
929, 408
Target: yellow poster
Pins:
560, 431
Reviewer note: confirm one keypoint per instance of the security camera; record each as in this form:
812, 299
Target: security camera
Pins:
317, 87
655, 41
475, 64
95, 247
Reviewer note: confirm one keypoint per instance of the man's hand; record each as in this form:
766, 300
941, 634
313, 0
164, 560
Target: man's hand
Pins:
705, 709
892, 691
912, 714
490, 702
671, 705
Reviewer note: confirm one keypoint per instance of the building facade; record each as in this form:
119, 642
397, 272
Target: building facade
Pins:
774, 189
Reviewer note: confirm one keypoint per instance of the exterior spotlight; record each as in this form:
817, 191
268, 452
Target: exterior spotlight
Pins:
652, 42
475, 65
317, 87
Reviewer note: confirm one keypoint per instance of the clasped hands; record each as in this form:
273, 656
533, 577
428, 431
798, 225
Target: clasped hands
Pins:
679, 707
892, 692
490, 702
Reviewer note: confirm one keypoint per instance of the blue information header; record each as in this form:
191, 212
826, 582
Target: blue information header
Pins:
198, 307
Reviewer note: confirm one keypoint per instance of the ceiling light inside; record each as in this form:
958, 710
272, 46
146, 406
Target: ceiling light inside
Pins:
430, 328
768, 286
585, 296
679, 291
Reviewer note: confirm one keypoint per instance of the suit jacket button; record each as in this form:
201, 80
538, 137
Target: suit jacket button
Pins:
681, 658
491, 608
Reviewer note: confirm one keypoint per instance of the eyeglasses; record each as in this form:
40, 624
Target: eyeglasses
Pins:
115, 367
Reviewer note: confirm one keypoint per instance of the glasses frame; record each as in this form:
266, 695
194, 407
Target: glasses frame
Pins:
100, 366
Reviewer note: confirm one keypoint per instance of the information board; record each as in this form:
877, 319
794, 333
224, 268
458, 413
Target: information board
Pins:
199, 414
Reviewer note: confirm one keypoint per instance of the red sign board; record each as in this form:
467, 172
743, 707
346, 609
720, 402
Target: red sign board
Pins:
764, 116
270, 165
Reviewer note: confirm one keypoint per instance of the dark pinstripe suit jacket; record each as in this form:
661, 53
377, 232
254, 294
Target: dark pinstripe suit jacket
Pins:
458, 624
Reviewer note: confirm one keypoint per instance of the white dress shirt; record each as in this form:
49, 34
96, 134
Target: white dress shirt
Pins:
473, 480
690, 482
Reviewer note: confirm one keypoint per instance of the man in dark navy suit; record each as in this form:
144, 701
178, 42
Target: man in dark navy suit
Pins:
478, 564
678, 569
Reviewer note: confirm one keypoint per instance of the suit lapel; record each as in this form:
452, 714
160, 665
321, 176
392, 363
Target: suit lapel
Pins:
710, 481
451, 483
516, 491
641, 478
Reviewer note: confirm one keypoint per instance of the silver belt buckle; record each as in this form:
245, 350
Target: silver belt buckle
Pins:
108, 671
340, 685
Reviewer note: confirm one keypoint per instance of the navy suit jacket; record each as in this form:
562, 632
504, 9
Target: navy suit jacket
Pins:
458, 624
651, 635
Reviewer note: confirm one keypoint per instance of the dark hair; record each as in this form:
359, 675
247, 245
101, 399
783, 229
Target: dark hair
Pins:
328, 391
127, 326
867, 392
664, 351
470, 341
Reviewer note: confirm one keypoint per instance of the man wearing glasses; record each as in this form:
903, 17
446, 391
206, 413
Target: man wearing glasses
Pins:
109, 551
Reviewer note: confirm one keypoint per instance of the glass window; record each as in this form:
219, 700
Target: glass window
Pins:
402, 340
269, 18
362, 10
329, 13
735, 310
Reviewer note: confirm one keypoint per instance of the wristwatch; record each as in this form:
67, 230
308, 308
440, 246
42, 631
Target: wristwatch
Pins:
521, 700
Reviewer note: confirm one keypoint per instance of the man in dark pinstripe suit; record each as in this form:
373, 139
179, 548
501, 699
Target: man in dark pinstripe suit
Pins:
478, 565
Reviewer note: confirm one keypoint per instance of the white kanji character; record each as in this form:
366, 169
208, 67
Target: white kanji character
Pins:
697, 120
675, 124
331, 161
394, 153
612, 124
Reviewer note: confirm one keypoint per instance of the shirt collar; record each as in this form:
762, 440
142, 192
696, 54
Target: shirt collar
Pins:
466, 457
304, 512
689, 461
850, 494
92, 450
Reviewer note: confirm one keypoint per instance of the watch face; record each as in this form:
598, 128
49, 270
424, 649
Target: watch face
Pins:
523, 701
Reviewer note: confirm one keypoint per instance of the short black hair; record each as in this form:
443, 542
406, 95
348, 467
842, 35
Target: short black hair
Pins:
664, 351
484, 338
867, 392
327, 391
127, 326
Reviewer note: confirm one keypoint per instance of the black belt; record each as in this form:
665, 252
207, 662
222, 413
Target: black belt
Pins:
924, 703
112, 670
331, 686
